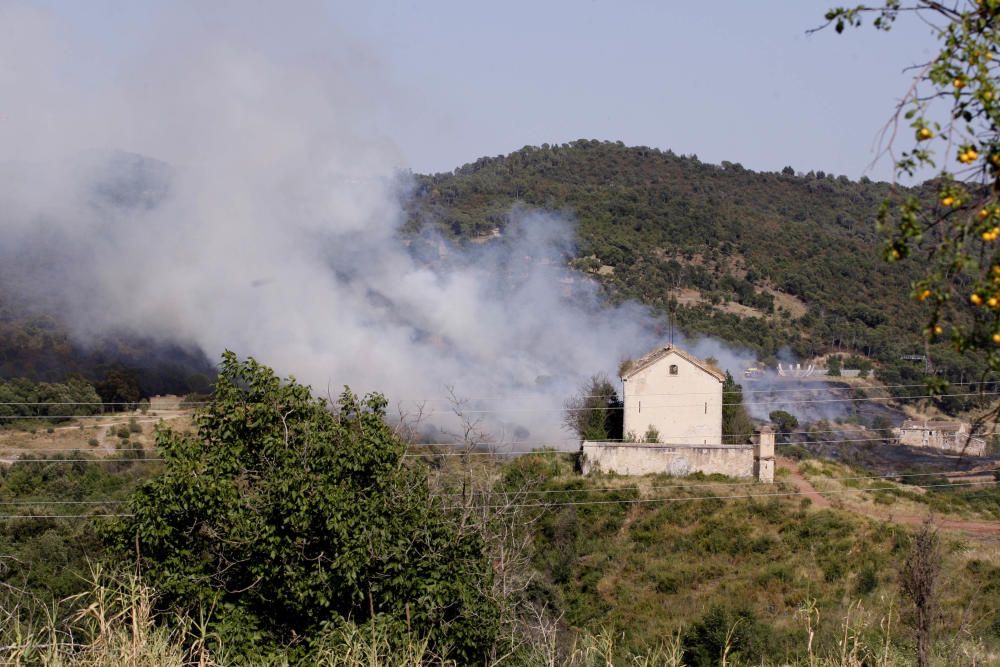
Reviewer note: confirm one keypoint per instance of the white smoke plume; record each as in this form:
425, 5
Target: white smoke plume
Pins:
263, 217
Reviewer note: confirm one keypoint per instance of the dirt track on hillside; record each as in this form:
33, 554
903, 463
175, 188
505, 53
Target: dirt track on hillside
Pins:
971, 527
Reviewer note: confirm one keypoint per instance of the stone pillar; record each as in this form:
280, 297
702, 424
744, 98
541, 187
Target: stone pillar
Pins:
763, 454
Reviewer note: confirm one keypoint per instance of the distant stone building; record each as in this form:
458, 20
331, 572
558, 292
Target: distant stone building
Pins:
678, 398
945, 436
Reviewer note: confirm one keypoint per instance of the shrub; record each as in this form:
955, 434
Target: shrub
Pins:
122, 432
134, 426
93, 442
867, 580
735, 633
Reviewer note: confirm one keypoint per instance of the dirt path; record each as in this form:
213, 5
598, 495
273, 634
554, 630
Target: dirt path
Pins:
977, 528
802, 484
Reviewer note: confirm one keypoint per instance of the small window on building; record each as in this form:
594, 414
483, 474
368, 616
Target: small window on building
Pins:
673, 369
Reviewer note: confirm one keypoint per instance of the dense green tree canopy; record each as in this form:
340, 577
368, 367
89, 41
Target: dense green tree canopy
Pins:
768, 261
281, 516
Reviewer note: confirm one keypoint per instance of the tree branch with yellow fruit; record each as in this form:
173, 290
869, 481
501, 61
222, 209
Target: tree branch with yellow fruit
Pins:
953, 220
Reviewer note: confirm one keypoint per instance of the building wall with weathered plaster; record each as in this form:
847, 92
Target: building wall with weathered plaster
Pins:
742, 461
684, 407
942, 436
677, 460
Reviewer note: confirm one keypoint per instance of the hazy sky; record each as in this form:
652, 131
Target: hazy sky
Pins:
738, 81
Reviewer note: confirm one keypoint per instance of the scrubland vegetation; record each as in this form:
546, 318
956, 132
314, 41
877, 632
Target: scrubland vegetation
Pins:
288, 531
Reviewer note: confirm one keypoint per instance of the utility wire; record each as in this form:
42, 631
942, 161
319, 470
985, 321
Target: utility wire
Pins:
60, 516
618, 501
699, 484
706, 393
600, 408
532, 397
694, 484
498, 450
537, 443
62, 502
697, 405
637, 501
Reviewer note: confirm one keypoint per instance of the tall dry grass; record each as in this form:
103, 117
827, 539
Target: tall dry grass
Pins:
115, 625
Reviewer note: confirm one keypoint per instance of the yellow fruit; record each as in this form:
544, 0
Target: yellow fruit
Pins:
968, 156
992, 302
938, 329
987, 95
924, 133
996, 270
996, 338
923, 295
976, 299
947, 201
959, 83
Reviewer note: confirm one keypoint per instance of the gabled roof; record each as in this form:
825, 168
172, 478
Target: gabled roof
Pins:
654, 356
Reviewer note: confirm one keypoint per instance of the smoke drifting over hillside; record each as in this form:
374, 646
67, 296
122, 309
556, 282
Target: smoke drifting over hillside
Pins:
267, 223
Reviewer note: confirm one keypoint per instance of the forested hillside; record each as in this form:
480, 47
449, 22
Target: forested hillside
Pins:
769, 261
38, 346
765, 260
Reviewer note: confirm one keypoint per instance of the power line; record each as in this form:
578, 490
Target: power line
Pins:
708, 393
637, 501
530, 397
93, 460
698, 405
61, 516
769, 391
699, 484
104, 415
62, 502
499, 451
617, 501
605, 489
70, 450
496, 451
539, 443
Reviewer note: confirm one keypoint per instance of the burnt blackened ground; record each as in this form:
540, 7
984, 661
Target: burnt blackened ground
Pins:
887, 457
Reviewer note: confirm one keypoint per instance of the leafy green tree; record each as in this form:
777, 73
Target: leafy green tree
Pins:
120, 388
833, 366
952, 110
281, 517
863, 365
736, 423
596, 412
785, 422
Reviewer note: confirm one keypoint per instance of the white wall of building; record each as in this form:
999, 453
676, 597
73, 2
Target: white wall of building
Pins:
686, 407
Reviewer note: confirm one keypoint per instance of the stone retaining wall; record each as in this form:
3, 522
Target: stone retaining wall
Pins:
651, 459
